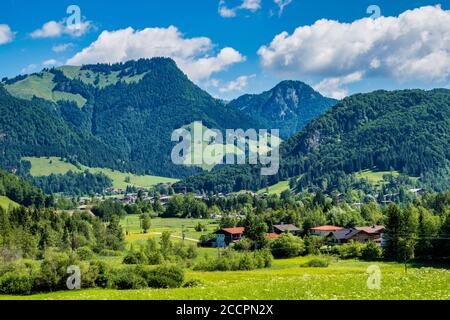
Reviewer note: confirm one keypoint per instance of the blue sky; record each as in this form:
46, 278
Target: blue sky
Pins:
225, 46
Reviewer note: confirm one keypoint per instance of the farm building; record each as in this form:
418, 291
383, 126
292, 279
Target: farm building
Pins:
231, 234
286, 228
360, 234
324, 231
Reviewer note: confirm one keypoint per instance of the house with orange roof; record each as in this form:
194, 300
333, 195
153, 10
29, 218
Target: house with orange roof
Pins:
324, 231
231, 234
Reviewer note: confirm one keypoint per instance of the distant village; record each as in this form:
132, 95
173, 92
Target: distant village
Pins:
333, 235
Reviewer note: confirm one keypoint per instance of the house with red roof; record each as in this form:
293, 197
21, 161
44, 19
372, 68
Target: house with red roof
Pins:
359, 234
231, 234
272, 235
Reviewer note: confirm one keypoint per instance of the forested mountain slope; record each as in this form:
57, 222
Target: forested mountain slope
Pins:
289, 106
118, 116
407, 131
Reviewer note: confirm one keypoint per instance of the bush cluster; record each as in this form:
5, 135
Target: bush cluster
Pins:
287, 246
24, 277
154, 253
230, 260
316, 263
354, 249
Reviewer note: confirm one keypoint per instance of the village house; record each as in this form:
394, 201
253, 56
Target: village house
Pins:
359, 234
231, 234
324, 231
418, 192
286, 228
272, 235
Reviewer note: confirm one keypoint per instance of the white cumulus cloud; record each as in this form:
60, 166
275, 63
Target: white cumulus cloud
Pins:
54, 29
239, 84
195, 56
51, 63
333, 87
6, 34
29, 68
281, 5
62, 47
413, 46
250, 5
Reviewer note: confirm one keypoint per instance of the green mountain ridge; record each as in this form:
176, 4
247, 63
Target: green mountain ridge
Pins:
289, 106
407, 131
118, 116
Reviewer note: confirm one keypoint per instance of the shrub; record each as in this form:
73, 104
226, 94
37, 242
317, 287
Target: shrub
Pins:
316, 263
135, 257
53, 274
185, 251
166, 276
287, 246
16, 283
371, 251
128, 279
264, 258
244, 245
110, 253
200, 227
350, 250
312, 244
89, 274
85, 253
103, 279
155, 258
247, 262
232, 261
25, 266
193, 283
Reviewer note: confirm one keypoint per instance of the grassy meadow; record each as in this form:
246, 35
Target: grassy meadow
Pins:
53, 165
276, 188
131, 223
5, 203
286, 280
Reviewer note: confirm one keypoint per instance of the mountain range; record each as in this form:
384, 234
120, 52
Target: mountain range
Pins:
406, 131
121, 116
289, 106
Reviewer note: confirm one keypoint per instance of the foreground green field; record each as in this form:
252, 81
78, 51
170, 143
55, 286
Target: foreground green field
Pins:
286, 279
342, 280
131, 223
53, 165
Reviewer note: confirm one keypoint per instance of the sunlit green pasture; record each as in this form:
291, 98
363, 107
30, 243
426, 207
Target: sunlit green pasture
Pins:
131, 223
52, 165
342, 280
6, 203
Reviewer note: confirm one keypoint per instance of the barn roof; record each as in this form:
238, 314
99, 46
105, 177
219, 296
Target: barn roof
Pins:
238, 230
286, 227
345, 233
371, 230
327, 228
